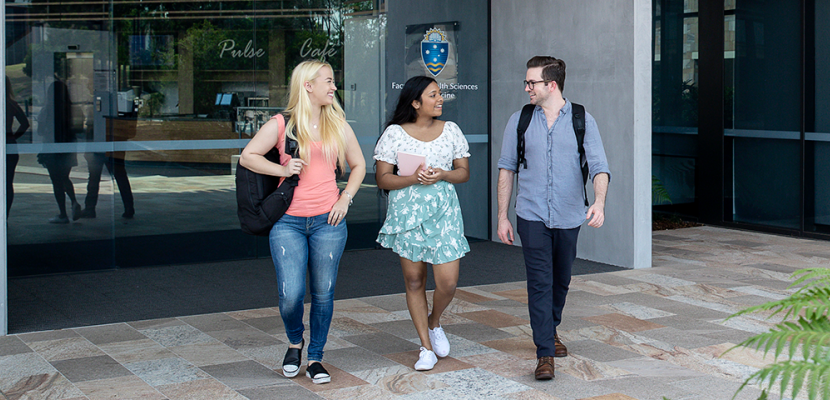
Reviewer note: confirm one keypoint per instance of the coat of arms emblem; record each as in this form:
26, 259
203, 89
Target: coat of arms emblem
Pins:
435, 50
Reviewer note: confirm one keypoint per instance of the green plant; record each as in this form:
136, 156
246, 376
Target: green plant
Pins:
659, 194
152, 104
805, 327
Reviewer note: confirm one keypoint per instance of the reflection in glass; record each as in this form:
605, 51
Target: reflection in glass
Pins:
162, 97
55, 123
762, 139
17, 124
817, 120
675, 104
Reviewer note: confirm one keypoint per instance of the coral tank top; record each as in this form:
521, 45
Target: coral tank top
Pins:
317, 190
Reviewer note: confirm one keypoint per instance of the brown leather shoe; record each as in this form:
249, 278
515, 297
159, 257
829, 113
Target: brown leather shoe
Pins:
544, 369
561, 350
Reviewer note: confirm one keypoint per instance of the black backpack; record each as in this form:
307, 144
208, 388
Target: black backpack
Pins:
579, 131
260, 199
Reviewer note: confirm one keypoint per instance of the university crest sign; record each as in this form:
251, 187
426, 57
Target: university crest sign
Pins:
434, 51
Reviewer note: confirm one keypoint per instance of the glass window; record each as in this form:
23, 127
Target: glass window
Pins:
127, 119
762, 132
817, 135
675, 105
132, 116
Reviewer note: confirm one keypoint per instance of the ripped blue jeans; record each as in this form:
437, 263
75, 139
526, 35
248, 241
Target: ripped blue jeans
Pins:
303, 246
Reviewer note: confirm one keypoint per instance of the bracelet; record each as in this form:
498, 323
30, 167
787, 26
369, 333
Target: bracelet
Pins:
351, 199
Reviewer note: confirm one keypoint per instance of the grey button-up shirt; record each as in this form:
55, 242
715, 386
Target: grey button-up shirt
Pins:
550, 189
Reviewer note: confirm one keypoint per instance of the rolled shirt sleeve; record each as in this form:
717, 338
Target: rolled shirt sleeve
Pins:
509, 159
594, 151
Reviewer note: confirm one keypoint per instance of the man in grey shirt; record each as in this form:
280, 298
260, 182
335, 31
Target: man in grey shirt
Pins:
550, 202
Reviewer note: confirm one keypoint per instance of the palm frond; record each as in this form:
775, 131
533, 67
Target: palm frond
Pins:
816, 276
804, 325
812, 336
813, 301
659, 194
815, 374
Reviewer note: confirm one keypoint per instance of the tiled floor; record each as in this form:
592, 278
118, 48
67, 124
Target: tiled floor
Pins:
634, 334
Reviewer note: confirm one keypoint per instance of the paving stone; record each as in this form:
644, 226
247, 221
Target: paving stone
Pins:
214, 322
382, 343
110, 333
357, 359
11, 345
288, 391
243, 374
90, 368
477, 332
166, 371
599, 351
48, 335
270, 325
392, 302
401, 329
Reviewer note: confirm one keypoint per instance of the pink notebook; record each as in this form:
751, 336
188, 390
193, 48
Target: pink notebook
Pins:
408, 163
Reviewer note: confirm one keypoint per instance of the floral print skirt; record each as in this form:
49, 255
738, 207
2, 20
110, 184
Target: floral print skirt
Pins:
423, 223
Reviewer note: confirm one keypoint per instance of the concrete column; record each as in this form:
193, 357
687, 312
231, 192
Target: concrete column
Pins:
185, 78
277, 89
606, 45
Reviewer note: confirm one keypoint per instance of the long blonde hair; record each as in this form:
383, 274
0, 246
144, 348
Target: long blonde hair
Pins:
332, 117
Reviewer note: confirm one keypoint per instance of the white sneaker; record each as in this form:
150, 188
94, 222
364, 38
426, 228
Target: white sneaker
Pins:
426, 360
439, 341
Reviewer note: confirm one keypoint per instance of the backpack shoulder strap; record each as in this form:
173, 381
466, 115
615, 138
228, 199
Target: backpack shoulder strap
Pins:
291, 145
524, 122
579, 130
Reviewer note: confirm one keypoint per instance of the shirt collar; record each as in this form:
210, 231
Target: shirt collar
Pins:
566, 109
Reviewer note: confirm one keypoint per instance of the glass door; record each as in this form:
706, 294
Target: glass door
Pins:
817, 124
762, 131
363, 79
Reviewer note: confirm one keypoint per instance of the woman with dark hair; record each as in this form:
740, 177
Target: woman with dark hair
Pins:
13, 112
423, 220
309, 239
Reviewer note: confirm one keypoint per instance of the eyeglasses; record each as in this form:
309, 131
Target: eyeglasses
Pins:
532, 84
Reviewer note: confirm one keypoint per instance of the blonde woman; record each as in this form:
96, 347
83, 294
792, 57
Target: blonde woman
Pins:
309, 239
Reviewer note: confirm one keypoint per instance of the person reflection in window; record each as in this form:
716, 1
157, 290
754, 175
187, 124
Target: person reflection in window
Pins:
13, 112
115, 165
54, 120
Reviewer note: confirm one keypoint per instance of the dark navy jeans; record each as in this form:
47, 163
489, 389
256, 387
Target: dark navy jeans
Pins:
300, 247
549, 255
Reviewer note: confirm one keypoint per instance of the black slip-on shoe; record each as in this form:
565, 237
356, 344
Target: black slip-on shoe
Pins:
292, 361
317, 373
76, 211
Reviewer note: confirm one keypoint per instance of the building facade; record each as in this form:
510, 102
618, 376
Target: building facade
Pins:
127, 118
708, 109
